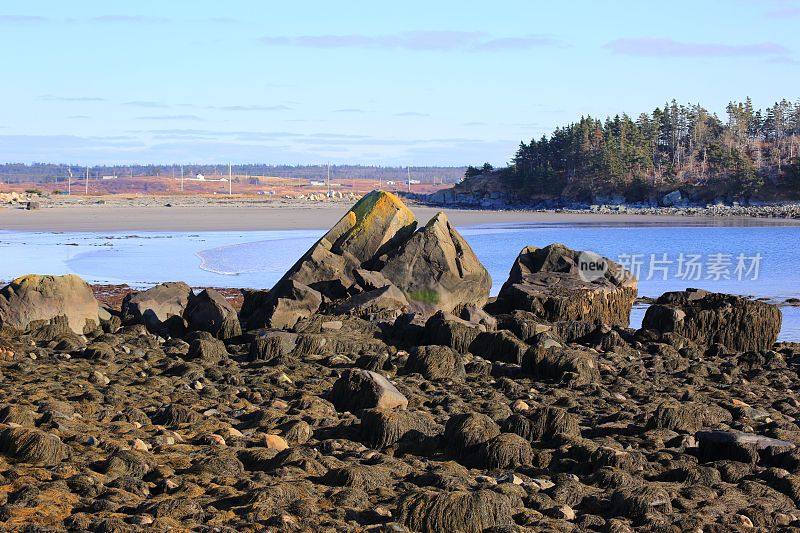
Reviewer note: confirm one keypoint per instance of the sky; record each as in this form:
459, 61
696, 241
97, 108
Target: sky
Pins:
417, 83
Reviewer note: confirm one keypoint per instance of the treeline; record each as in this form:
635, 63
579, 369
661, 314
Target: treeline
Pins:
48, 172
748, 153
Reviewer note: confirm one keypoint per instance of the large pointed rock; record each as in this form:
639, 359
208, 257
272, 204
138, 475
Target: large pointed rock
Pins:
376, 224
373, 226
738, 323
437, 270
556, 283
34, 297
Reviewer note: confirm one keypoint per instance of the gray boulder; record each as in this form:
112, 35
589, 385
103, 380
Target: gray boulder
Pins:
556, 283
33, 297
374, 225
359, 389
160, 308
210, 311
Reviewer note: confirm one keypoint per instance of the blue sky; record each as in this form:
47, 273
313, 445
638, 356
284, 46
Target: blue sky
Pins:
409, 82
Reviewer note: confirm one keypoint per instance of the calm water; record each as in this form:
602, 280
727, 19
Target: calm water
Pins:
759, 261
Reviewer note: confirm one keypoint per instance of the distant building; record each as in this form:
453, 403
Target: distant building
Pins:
106, 178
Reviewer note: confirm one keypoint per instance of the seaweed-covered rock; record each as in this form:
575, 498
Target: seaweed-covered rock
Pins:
463, 431
33, 297
465, 512
687, 417
637, 503
435, 362
174, 415
556, 363
32, 446
556, 283
506, 450
362, 389
381, 428
542, 423
445, 329
268, 345
707, 318
499, 346
204, 347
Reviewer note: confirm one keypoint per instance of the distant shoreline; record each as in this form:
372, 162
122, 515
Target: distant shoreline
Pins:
278, 216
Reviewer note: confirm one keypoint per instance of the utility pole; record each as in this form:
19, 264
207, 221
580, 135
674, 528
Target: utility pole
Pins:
230, 181
87, 181
329, 179
408, 171
181, 178
69, 181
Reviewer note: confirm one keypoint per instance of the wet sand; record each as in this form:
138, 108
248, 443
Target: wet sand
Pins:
264, 217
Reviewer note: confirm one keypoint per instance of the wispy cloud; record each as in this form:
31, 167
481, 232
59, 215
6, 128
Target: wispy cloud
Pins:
54, 98
433, 40
520, 43
22, 19
135, 19
146, 104
664, 47
256, 107
171, 117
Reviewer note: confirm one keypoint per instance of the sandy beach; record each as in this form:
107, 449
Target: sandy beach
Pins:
311, 216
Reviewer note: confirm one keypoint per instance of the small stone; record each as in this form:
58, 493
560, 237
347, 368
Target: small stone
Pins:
197, 385
520, 405
32, 356
275, 442
92, 441
140, 445
542, 484
98, 378
564, 512
235, 433
215, 440
383, 512
744, 521
485, 479
142, 520
510, 478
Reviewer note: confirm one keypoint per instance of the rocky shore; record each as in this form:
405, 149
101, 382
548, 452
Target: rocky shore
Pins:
780, 211
378, 387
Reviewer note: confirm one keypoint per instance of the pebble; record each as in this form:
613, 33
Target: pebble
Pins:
275, 442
